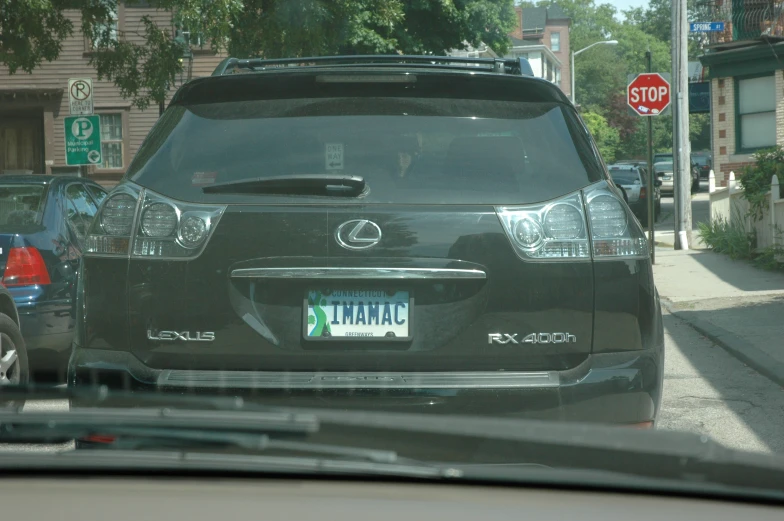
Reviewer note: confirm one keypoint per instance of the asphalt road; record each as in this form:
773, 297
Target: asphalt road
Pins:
706, 391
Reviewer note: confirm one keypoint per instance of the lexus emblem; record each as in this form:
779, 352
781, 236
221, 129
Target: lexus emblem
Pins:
359, 234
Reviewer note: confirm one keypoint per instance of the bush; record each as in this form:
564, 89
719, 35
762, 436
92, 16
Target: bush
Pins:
756, 179
729, 237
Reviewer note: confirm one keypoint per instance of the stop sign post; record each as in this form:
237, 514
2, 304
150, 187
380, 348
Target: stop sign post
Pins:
648, 94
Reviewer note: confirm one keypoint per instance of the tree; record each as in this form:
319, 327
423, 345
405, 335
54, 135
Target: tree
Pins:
606, 137
33, 31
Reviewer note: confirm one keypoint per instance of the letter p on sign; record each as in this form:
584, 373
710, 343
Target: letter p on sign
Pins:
648, 94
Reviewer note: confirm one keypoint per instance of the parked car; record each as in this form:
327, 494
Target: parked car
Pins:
662, 157
634, 181
323, 234
664, 172
14, 363
704, 163
43, 222
695, 171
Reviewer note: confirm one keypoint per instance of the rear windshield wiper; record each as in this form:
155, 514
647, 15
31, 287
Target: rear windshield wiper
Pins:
317, 184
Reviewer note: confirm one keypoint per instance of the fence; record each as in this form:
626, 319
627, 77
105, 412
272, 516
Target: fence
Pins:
728, 203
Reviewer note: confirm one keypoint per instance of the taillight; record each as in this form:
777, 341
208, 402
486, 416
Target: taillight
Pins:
552, 231
613, 233
25, 267
570, 229
139, 223
643, 193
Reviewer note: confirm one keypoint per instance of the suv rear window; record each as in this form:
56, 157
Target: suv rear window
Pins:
624, 176
701, 160
408, 150
21, 204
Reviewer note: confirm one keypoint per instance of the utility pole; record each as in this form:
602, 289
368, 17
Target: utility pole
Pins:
681, 148
651, 175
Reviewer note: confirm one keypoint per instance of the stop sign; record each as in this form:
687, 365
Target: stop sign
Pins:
648, 94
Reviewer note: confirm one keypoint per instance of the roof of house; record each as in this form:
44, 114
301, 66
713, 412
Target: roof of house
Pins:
536, 17
517, 42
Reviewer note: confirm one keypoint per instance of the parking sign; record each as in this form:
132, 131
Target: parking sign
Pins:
83, 140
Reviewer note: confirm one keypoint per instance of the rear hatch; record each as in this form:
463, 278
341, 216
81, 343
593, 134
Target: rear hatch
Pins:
413, 267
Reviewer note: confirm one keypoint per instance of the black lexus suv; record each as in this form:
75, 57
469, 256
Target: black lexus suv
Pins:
404, 233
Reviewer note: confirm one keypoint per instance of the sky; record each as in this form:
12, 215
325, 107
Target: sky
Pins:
622, 5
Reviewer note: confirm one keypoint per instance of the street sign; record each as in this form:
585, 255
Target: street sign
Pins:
83, 140
648, 94
706, 27
80, 96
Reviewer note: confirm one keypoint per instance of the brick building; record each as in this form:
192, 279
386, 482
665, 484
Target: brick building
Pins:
746, 70
542, 36
33, 106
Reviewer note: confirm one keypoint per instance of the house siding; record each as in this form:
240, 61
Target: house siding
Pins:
562, 27
73, 62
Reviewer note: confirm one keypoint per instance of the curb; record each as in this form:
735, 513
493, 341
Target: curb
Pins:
741, 349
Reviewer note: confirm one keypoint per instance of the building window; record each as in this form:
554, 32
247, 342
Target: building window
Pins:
558, 76
756, 106
105, 34
555, 42
112, 140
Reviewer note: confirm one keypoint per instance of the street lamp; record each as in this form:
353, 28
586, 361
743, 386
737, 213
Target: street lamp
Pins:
603, 42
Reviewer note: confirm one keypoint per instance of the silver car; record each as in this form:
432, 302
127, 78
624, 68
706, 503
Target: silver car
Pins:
663, 171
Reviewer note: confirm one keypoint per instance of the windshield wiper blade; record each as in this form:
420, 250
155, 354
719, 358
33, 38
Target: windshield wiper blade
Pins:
317, 184
108, 419
135, 429
178, 461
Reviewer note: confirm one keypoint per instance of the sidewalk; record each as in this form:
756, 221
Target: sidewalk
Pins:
738, 306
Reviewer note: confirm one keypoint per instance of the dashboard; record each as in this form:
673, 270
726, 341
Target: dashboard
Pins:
102, 498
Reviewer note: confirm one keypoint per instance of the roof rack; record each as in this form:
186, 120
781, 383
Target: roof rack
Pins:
516, 66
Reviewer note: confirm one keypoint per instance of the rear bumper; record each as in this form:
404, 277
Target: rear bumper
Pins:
620, 388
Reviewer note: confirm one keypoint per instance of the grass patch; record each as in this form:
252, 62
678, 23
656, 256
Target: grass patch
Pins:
730, 237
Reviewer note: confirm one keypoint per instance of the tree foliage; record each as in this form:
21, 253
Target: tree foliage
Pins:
606, 137
143, 67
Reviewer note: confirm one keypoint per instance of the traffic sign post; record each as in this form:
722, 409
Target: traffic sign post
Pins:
83, 140
80, 96
649, 95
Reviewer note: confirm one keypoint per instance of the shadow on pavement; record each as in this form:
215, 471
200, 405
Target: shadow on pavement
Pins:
707, 391
749, 328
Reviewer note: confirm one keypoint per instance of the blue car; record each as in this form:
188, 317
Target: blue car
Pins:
43, 221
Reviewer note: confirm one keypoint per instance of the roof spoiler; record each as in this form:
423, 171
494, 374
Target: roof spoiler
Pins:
515, 66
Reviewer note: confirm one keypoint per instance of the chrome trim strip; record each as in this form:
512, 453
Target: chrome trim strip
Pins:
359, 273
342, 380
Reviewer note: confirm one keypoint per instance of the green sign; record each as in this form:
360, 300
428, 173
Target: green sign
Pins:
83, 140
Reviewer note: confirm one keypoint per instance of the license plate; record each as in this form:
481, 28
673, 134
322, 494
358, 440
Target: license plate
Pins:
357, 315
